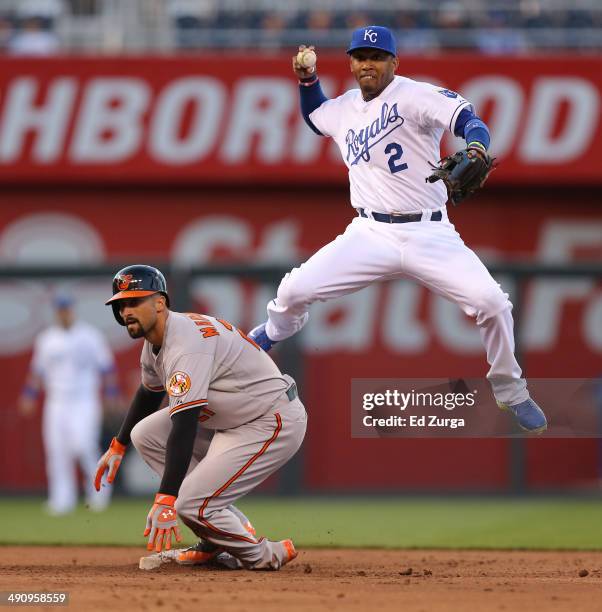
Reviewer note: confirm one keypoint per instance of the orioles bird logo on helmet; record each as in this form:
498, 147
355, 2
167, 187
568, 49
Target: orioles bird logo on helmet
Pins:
124, 281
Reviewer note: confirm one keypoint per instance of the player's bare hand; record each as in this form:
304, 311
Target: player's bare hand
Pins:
301, 71
110, 461
162, 523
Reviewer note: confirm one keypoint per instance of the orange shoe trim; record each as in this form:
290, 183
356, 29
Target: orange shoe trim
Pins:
196, 556
290, 549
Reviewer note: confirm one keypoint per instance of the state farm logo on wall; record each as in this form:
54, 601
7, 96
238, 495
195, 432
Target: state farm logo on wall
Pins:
157, 119
400, 317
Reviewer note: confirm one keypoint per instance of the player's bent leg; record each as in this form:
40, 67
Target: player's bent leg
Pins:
149, 436
352, 261
204, 551
239, 460
464, 280
496, 326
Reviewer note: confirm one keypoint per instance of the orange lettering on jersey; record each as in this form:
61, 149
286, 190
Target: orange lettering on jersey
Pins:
226, 324
245, 337
209, 332
207, 328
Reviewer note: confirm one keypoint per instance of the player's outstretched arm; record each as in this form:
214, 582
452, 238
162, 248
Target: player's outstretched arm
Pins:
145, 402
310, 90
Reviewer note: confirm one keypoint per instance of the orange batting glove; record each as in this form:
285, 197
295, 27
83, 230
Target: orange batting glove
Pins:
161, 522
111, 460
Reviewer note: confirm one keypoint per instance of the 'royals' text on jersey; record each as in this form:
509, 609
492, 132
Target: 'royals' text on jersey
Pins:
388, 142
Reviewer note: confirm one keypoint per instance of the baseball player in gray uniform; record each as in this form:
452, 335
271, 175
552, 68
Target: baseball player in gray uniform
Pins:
388, 132
232, 420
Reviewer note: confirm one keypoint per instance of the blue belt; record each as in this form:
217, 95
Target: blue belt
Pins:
400, 218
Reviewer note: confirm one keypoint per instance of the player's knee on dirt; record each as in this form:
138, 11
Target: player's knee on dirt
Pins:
490, 302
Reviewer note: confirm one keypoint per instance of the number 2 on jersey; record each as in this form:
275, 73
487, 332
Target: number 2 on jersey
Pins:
397, 152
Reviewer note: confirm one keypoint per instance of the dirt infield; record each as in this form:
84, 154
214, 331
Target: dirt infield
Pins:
378, 580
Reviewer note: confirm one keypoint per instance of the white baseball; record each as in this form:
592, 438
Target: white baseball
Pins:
307, 58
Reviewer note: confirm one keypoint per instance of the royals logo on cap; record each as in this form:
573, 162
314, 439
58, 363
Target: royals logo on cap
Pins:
370, 35
373, 37
179, 384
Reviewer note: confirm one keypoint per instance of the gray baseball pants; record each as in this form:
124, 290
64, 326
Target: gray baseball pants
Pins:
225, 466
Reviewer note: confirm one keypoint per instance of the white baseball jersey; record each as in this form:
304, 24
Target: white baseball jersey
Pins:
207, 362
388, 142
70, 363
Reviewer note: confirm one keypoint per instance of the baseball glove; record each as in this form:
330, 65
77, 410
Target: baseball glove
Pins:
463, 173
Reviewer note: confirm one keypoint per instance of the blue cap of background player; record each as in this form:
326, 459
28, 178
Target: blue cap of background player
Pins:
63, 300
373, 37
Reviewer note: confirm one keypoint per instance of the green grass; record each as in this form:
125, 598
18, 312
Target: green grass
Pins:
343, 522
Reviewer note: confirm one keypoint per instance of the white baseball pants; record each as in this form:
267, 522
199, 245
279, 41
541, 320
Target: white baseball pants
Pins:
71, 433
430, 252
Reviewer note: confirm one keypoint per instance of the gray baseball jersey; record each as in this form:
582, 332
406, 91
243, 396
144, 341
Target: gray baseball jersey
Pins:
207, 362
259, 425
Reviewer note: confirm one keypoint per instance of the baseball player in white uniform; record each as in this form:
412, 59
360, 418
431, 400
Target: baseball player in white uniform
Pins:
388, 131
232, 420
72, 363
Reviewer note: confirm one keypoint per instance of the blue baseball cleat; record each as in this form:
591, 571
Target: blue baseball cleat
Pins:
529, 415
259, 336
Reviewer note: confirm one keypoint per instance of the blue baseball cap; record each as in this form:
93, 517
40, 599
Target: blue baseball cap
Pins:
373, 37
63, 300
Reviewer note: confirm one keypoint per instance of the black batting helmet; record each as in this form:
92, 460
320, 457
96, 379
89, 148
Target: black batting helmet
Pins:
135, 282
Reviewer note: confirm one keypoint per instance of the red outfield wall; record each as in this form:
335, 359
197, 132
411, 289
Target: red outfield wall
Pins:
228, 128
384, 331
231, 118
